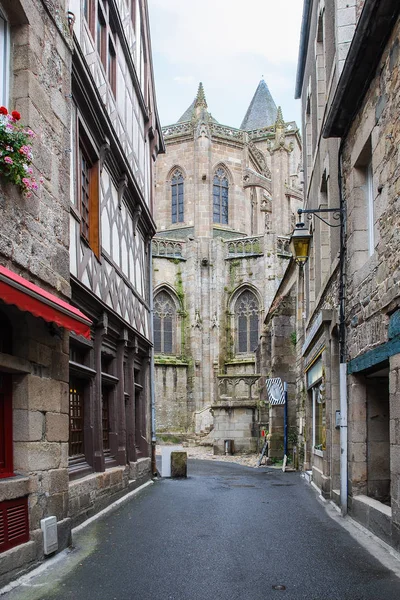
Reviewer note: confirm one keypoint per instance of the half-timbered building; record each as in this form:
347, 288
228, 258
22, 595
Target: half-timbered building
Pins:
75, 331
115, 138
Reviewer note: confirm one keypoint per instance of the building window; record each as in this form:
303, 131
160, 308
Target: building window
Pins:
4, 59
112, 66
105, 417
220, 196
89, 11
246, 313
6, 429
88, 178
102, 37
177, 197
369, 190
164, 323
316, 388
76, 420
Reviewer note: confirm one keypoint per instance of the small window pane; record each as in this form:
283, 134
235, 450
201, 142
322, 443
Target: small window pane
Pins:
246, 311
177, 197
164, 323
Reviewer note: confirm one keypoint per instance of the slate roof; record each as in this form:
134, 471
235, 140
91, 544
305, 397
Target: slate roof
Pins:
262, 111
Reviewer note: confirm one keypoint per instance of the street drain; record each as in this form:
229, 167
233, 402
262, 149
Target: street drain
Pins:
280, 588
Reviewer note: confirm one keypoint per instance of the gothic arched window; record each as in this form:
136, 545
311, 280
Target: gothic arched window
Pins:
220, 196
164, 324
177, 197
246, 315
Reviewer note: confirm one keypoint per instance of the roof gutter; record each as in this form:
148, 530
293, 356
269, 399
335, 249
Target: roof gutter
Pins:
304, 35
373, 30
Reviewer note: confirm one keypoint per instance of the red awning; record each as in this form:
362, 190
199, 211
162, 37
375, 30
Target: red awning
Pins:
29, 297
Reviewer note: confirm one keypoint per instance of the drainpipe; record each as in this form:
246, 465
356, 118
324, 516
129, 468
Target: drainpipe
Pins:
152, 373
342, 345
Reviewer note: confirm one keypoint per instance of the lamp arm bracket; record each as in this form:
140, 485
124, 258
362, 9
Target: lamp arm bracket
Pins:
310, 212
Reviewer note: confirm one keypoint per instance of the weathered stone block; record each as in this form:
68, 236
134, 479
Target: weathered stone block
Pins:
36, 456
57, 427
178, 464
27, 425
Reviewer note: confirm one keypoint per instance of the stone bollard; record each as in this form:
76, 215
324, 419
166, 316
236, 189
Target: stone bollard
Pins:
178, 464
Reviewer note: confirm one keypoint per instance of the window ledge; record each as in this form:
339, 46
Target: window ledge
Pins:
13, 364
318, 452
14, 487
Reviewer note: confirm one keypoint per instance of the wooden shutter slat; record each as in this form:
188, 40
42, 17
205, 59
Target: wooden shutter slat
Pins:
14, 523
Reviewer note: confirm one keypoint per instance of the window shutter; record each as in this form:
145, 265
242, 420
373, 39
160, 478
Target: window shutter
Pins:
14, 523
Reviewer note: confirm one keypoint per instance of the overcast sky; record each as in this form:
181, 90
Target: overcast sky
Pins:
229, 45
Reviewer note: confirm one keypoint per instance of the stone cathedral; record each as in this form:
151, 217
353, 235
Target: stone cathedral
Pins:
225, 207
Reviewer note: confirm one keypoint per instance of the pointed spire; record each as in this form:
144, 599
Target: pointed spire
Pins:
279, 122
198, 107
200, 98
262, 111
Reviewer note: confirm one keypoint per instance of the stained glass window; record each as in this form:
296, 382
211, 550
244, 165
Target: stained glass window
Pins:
220, 196
177, 197
246, 312
164, 323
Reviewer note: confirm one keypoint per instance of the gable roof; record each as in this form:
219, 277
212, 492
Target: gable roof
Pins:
262, 111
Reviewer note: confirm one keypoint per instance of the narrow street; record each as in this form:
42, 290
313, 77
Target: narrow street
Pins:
228, 532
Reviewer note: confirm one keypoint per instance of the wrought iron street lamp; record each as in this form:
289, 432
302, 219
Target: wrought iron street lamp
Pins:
300, 247
300, 244
301, 238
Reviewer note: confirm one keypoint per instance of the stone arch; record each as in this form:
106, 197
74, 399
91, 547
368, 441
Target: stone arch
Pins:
223, 165
172, 170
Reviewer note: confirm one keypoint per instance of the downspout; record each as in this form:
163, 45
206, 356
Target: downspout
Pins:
152, 371
342, 343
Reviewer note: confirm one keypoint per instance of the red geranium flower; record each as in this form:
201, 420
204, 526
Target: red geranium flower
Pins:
15, 114
3, 110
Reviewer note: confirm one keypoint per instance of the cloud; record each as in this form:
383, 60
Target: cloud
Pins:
188, 79
230, 46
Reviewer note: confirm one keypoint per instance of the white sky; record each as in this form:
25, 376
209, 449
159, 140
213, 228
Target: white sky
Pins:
229, 45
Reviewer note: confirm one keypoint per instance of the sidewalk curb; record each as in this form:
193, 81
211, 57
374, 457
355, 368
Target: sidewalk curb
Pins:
50, 562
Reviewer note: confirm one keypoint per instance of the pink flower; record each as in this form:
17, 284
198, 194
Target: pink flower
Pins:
25, 150
8, 160
30, 132
26, 181
9, 149
41, 180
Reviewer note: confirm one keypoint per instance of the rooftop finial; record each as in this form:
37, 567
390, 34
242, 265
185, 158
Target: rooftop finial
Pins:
279, 118
201, 98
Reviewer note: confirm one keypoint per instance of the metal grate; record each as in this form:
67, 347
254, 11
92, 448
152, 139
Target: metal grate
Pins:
76, 423
105, 417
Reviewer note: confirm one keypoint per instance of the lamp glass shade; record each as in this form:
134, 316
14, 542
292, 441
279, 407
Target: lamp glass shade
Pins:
300, 244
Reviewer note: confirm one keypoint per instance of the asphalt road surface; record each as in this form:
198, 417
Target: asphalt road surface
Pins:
227, 532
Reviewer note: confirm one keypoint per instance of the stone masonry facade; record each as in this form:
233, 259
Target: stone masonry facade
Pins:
204, 379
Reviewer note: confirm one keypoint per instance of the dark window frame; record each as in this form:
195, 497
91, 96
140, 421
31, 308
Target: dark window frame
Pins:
6, 426
88, 191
